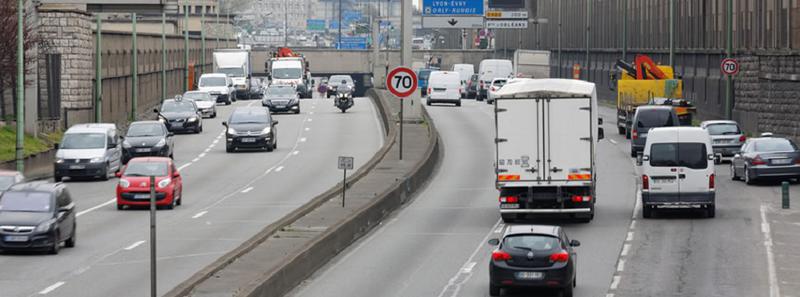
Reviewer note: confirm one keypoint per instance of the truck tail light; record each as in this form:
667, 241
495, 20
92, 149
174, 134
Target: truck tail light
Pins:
579, 198
742, 138
559, 257
711, 181
758, 161
645, 182
634, 134
509, 199
500, 256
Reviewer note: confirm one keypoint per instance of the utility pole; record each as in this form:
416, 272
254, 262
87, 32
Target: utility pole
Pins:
135, 69
20, 149
203, 39
624, 30
217, 26
729, 54
339, 41
185, 45
672, 33
560, 61
286, 23
163, 55
98, 73
588, 36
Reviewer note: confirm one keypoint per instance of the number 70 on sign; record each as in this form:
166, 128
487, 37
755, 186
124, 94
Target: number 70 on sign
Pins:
401, 81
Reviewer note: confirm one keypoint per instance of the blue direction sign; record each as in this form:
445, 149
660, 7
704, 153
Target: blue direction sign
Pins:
452, 7
352, 42
315, 25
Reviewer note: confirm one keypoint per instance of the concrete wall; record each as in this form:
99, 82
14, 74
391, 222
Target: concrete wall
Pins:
768, 93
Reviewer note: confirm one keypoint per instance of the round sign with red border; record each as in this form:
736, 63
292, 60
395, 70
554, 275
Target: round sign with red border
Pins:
729, 66
401, 81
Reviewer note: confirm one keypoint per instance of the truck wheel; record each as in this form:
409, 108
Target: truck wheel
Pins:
633, 153
621, 130
647, 212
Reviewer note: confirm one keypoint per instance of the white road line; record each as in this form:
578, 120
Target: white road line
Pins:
303, 139
295, 153
268, 171
468, 268
454, 283
310, 112
201, 155
310, 120
279, 169
247, 190
184, 166
199, 214
307, 129
195, 160
615, 282
499, 228
215, 141
633, 225
51, 288
207, 150
610, 295
774, 289
625, 249
612, 141
630, 237
134, 245
621, 265
96, 207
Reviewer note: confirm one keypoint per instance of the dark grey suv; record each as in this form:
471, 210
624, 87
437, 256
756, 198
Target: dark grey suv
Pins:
646, 118
37, 216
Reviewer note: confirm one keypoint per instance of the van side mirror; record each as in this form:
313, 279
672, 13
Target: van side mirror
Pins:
599, 121
639, 160
574, 243
494, 241
224, 123
600, 133
118, 174
274, 122
155, 110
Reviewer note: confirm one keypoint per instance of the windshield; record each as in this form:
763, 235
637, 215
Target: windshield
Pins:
142, 130
287, 73
84, 141
280, 91
177, 106
532, 243
774, 145
249, 117
25, 201
146, 169
691, 155
6, 182
198, 96
337, 79
212, 82
723, 129
232, 72
655, 118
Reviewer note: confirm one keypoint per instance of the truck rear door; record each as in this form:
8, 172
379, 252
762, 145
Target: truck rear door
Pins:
568, 138
519, 138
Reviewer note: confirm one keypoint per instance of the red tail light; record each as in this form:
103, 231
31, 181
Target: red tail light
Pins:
711, 183
429, 90
578, 198
494, 89
645, 182
501, 256
758, 161
459, 90
742, 138
634, 135
509, 199
797, 161
481, 84
559, 257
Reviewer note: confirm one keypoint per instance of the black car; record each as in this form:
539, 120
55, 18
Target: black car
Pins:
37, 216
766, 157
250, 128
180, 115
533, 256
281, 98
147, 138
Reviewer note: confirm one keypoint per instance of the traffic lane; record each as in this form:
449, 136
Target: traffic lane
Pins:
215, 226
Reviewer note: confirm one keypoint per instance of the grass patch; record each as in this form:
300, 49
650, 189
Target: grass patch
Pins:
32, 145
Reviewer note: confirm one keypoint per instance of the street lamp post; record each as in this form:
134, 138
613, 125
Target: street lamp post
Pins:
20, 149
186, 45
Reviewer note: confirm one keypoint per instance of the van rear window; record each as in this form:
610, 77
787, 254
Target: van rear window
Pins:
691, 155
655, 118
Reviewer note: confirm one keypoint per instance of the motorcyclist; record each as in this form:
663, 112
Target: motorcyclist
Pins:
346, 89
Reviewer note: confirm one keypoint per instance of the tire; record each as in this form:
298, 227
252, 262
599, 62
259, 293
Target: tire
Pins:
647, 212
56, 245
733, 173
711, 211
494, 290
172, 156
57, 178
747, 179
104, 176
70, 243
120, 206
233, 97
633, 153
229, 149
621, 130
428, 102
214, 115
566, 292
180, 199
228, 102
458, 103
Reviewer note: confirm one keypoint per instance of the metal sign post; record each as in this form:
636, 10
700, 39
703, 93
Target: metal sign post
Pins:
153, 236
345, 163
402, 82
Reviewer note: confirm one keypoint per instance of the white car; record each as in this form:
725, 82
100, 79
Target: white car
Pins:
206, 104
444, 87
218, 85
497, 83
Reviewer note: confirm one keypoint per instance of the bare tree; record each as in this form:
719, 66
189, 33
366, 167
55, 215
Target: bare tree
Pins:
8, 48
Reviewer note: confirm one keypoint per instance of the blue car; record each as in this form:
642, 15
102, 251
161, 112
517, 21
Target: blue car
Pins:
422, 80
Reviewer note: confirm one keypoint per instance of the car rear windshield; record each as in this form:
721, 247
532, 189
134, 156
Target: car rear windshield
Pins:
280, 91
83, 141
534, 243
26, 201
690, 155
177, 106
655, 118
146, 169
6, 182
212, 82
198, 96
337, 79
774, 145
723, 129
143, 130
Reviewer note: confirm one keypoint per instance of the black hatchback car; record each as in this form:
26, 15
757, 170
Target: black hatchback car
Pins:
251, 128
147, 138
180, 115
37, 216
533, 256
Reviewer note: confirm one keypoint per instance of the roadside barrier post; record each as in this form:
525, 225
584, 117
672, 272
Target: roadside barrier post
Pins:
785, 195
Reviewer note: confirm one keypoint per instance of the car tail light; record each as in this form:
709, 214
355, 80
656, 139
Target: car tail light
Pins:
429, 90
645, 182
501, 256
711, 183
742, 138
559, 257
459, 90
797, 161
509, 199
481, 84
579, 198
634, 134
758, 161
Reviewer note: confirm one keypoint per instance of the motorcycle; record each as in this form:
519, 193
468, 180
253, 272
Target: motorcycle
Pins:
343, 100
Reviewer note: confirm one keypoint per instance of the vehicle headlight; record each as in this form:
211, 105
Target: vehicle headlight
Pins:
124, 183
164, 183
60, 160
97, 160
231, 131
162, 120
192, 119
266, 130
161, 142
126, 144
44, 226
216, 92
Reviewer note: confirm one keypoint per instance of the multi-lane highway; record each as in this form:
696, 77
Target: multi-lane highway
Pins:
436, 246
228, 197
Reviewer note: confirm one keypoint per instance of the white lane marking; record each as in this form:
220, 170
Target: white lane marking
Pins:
295, 153
195, 160
468, 268
615, 282
134, 245
247, 190
310, 112
184, 166
51, 288
207, 150
215, 141
310, 120
279, 169
268, 171
629, 237
610, 295
499, 228
303, 139
625, 249
774, 289
612, 141
199, 214
201, 155
454, 284
96, 207
307, 129
621, 265
633, 225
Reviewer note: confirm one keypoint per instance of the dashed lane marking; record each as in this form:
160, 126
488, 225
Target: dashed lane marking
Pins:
134, 245
199, 214
51, 288
303, 139
454, 284
615, 282
279, 169
612, 141
295, 153
184, 166
774, 289
629, 237
96, 207
625, 249
247, 190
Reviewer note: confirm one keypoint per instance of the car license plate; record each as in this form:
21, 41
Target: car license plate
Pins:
177, 125
141, 196
280, 106
16, 238
509, 205
529, 275
721, 141
663, 180
781, 161
77, 167
248, 140
142, 150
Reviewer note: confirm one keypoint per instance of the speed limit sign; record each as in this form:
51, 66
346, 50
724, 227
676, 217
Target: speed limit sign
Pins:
401, 82
729, 66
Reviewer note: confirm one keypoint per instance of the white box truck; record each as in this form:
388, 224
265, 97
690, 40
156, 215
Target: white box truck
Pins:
546, 135
532, 64
236, 64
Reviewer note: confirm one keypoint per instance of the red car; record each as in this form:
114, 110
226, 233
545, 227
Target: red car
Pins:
133, 188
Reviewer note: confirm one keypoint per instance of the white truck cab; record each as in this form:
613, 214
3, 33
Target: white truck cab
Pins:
678, 170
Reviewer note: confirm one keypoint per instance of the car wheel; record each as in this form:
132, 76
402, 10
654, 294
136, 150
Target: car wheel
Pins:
633, 153
56, 245
711, 211
57, 178
747, 178
458, 103
104, 175
199, 129
566, 292
120, 206
214, 115
647, 212
428, 102
733, 172
270, 147
70, 243
172, 156
228, 102
621, 130
229, 149
494, 290
180, 198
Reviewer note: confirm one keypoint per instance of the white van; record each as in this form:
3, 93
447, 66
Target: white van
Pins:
88, 150
678, 170
445, 87
465, 71
490, 69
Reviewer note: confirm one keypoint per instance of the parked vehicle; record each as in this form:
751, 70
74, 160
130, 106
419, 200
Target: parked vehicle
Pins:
180, 115
37, 216
646, 118
281, 99
490, 69
766, 157
147, 138
444, 87
533, 256
531, 64
546, 130
335, 81
726, 138
465, 72
497, 83
9, 178
422, 80
219, 85
676, 172
250, 128
133, 188
88, 150
236, 64
206, 104
472, 86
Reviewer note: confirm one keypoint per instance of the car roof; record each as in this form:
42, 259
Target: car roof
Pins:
250, 109
149, 159
214, 75
145, 122
532, 229
195, 92
547, 87
654, 107
686, 133
715, 122
91, 128
35, 186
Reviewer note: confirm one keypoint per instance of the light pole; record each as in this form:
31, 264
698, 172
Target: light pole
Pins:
339, 41
186, 45
729, 54
135, 67
20, 149
286, 23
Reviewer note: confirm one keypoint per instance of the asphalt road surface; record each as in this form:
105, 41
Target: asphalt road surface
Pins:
228, 197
